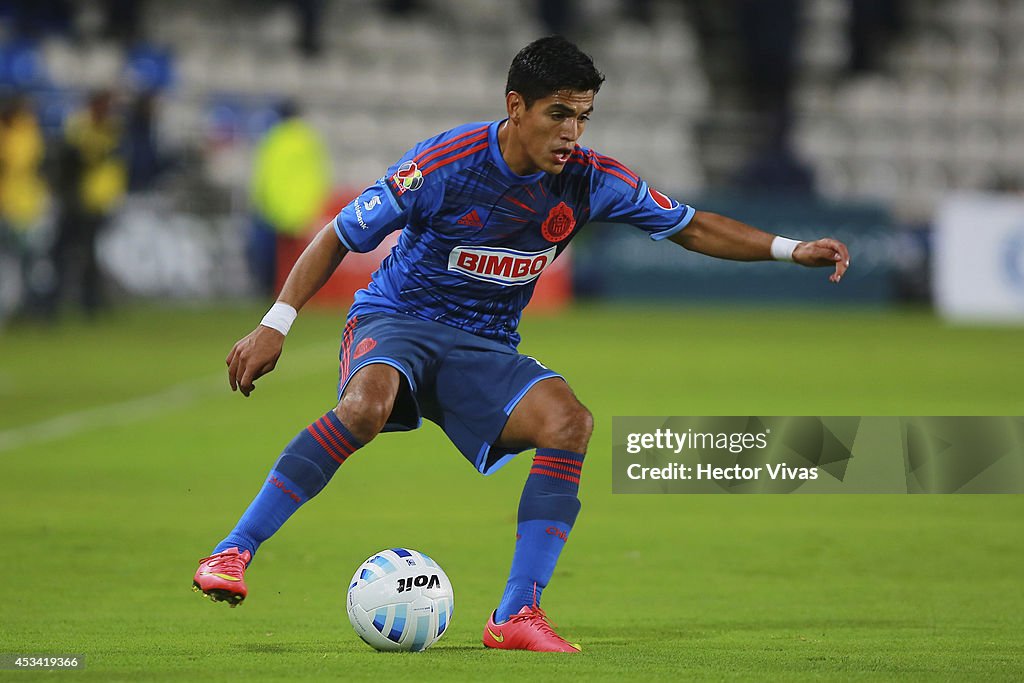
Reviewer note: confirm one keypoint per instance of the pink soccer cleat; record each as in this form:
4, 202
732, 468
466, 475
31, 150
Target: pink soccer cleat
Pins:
221, 577
528, 630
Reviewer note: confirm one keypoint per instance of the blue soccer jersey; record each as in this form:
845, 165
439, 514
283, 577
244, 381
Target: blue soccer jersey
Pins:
476, 236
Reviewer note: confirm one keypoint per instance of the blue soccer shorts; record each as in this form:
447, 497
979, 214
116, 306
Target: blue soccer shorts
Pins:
464, 383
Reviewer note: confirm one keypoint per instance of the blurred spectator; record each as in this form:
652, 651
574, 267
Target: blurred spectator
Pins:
144, 160
149, 68
873, 25
91, 182
556, 16
310, 16
563, 17
37, 18
402, 8
23, 193
639, 11
769, 35
21, 66
776, 169
122, 21
291, 181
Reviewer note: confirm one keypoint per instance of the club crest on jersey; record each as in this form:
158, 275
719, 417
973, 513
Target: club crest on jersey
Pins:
559, 223
364, 347
661, 200
408, 178
501, 266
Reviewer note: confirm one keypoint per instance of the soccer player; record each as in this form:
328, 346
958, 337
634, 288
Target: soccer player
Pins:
483, 209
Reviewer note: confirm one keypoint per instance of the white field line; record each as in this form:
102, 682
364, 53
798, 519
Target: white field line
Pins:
298, 364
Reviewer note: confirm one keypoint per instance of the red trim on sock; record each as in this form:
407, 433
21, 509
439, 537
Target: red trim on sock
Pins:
334, 430
555, 475
561, 468
337, 447
324, 444
567, 461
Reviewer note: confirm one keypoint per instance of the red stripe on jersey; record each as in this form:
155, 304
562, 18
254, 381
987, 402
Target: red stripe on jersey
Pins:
448, 160
613, 163
590, 163
606, 165
611, 171
419, 157
520, 204
556, 475
451, 148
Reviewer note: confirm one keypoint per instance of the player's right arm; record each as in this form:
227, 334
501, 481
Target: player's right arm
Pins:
398, 197
256, 354
621, 196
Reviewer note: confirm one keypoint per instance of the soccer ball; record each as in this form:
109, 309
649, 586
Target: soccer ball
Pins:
400, 600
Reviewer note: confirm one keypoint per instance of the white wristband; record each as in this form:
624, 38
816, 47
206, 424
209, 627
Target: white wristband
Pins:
783, 248
280, 317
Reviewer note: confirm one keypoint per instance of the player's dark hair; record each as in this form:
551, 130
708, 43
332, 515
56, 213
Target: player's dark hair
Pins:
548, 65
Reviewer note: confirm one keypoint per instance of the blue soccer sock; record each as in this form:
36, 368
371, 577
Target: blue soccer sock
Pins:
547, 511
302, 471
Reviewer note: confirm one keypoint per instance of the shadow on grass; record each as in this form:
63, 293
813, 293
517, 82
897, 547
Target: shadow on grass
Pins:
277, 647
318, 649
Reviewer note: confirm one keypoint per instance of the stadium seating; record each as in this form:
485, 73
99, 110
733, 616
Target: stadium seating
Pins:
941, 113
383, 82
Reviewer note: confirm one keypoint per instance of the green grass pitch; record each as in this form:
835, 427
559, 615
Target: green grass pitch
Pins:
125, 458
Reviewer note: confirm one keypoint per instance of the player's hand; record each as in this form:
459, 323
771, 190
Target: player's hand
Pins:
824, 252
253, 357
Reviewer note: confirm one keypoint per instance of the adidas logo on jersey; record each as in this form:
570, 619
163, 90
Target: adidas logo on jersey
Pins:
500, 266
472, 219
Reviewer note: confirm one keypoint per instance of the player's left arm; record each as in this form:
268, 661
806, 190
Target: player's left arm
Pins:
723, 237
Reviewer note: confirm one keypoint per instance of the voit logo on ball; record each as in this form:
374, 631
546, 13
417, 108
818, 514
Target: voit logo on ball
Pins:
400, 600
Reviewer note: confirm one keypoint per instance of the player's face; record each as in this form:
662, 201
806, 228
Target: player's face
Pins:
549, 129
